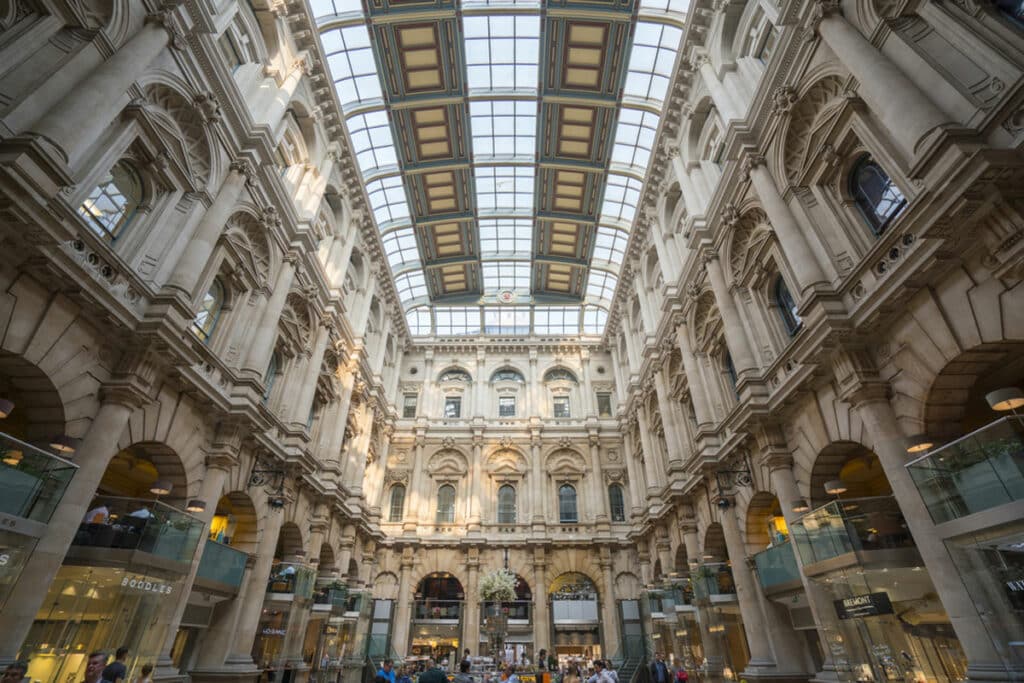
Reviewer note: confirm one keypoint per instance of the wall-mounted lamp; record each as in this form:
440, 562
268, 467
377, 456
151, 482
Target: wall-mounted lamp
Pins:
800, 506
196, 505
6, 406
1007, 398
919, 443
62, 443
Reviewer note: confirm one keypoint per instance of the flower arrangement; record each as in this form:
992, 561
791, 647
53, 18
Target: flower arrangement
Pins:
498, 585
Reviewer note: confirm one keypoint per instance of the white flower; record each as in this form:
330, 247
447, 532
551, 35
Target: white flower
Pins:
498, 585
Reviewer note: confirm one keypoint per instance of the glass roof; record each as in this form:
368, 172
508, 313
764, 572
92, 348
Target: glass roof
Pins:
497, 213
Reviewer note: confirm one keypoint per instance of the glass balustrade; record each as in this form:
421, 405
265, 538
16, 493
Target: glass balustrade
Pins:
977, 472
437, 609
139, 524
710, 579
223, 564
777, 565
32, 480
664, 600
850, 525
516, 610
292, 577
335, 595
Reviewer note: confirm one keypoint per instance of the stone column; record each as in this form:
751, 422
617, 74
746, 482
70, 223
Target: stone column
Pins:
673, 438
691, 199
265, 334
348, 539
415, 492
403, 610
747, 595
189, 268
541, 619
698, 394
636, 487
792, 239
719, 95
710, 642
471, 605
597, 489
476, 490
255, 589
589, 403
735, 334
92, 457
902, 107
532, 389
75, 123
307, 389
875, 411
650, 452
282, 98
540, 511
480, 386
609, 606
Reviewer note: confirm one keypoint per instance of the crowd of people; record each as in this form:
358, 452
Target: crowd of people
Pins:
98, 669
599, 671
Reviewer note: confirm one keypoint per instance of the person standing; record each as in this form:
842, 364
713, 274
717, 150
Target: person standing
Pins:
94, 667
15, 672
659, 670
463, 675
432, 674
117, 670
387, 670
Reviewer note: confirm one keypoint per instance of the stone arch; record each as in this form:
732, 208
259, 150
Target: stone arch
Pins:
134, 468
681, 562
628, 586
296, 322
38, 412
325, 558
436, 562
809, 122
448, 462
760, 511
290, 541
241, 528
706, 320
246, 242
455, 367
506, 461
852, 462
703, 109
385, 586
713, 548
182, 129
573, 581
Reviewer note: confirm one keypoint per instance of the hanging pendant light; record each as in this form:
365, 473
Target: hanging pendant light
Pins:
6, 406
13, 458
62, 443
800, 506
919, 443
196, 505
835, 487
1007, 398
161, 487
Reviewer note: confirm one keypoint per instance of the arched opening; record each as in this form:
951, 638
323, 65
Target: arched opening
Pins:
875, 194
437, 617
575, 611
507, 504
235, 523
396, 508
445, 504
855, 466
567, 511
766, 526
616, 503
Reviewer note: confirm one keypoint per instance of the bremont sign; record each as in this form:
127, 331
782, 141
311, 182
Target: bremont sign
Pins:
869, 605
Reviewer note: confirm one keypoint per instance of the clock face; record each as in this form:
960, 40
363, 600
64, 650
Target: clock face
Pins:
506, 296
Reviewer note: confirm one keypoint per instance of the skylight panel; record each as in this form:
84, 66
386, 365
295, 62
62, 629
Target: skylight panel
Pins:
350, 59
327, 8
418, 320
502, 52
651, 60
505, 237
601, 284
400, 247
503, 129
504, 189
507, 320
469, 4
634, 138
457, 320
610, 244
670, 6
621, 195
410, 286
502, 275
387, 199
594, 319
556, 320
372, 142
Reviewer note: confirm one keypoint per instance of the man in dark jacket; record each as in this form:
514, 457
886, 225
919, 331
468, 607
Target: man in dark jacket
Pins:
432, 674
659, 670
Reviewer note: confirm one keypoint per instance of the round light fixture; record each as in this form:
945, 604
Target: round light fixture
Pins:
13, 457
1007, 398
919, 443
6, 406
800, 506
196, 505
161, 487
62, 443
835, 487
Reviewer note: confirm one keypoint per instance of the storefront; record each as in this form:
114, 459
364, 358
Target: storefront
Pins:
575, 617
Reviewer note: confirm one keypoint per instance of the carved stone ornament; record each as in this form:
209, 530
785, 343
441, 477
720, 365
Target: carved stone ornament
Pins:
613, 455
209, 108
165, 17
565, 442
614, 476
783, 99
448, 442
730, 215
506, 442
822, 9
751, 161
396, 476
694, 289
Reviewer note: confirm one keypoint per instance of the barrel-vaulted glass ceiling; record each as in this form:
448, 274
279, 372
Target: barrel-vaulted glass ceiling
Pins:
503, 146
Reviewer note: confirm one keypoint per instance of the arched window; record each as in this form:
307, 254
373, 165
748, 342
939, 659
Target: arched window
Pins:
271, 375
508, 375
455, 375
446, 504
559, 375
875, 194
113, 203
507, 504
616, 503
567, 505
209, 311
397, 503
787, 307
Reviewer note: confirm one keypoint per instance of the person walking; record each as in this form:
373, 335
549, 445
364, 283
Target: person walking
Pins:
432, 674
147, 674
387, 670
117, 670
659, 670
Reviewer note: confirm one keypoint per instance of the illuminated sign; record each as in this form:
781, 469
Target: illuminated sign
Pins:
869, 605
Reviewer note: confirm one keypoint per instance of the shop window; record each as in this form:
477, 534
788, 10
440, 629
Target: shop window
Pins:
507, 504
561, 406
446, 504
409, 405
271, 375
114, 202
616, 503
209, 311
567, 505
604, 404
397, 510
876, 195
452, 407
787, 307
506, 406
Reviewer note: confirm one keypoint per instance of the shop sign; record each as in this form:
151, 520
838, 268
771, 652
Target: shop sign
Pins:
141, 584
869, 605
268, 631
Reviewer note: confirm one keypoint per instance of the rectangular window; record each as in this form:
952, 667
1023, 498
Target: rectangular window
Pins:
768, 47
453, 407
506, 406
604, 405
561, 404
409, 405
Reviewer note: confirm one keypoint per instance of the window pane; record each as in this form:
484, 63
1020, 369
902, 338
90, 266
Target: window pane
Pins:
601, 285
372, 142
502, 275
504, 129
594, 319
507, 320
621, 196
446, 504
387, 199
453, 407
651, 60
112, 204
561, 404
419, 321
616, 503
351, 63
634, 138
454, 321
409, 405
506, 505
397, 503
502, 52
209, 312
604, 405
561, 320
505, 237
506, 406
567, 504
504, 189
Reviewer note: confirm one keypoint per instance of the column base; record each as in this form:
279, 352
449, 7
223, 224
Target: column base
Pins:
826, 675
166, 672
233, 671
767, 671
993, 672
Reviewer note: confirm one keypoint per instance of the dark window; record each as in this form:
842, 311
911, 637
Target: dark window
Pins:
604, 405
877, 197
561, 406
1014, 9
453, 406
209, 312
446, 504
567, 505
409, 405
506, 406
787, 307
397, 503
271, 376
616, 503
507, 505
730, 370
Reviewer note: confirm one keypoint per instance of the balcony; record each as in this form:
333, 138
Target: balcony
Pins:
291, 579
437, 610
142, 525
854, 528
977, 472
777, 568
665, 600
222, 566
33, 481
518, 612
333, 598
713, 582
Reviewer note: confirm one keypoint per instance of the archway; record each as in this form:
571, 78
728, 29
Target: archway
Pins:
851, 463
38, 412
765, 525
575, 615
437, 617
235, 522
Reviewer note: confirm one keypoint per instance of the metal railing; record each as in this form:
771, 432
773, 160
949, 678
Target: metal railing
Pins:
140, 524
712, 578
850, 525
292, 577
979, 471
515, 610
32, 480
437, 609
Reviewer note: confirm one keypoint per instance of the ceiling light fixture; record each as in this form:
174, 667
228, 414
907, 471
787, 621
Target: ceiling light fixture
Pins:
1007, 398
835, 487
6, 406
919, 443
800, 506
62, 443
13, 457
196, 505
161, 487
